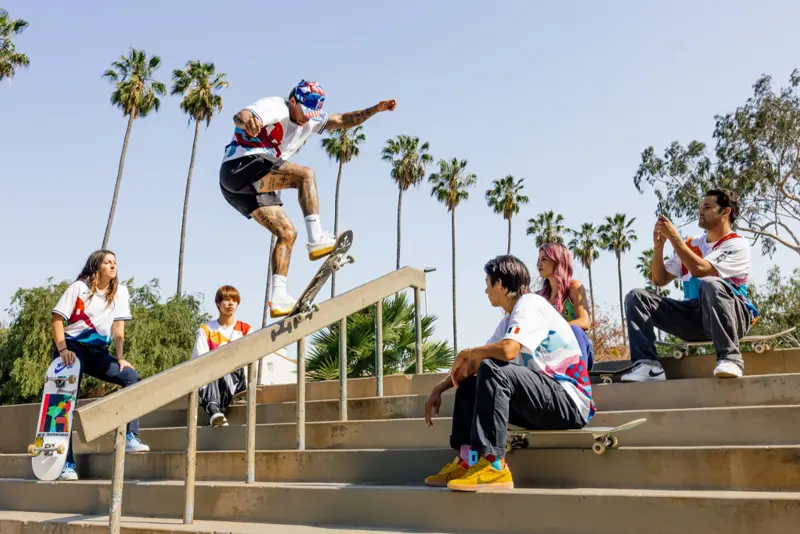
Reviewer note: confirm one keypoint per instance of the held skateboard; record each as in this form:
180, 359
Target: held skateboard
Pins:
304, 308
604, 436
49, 449
760, 343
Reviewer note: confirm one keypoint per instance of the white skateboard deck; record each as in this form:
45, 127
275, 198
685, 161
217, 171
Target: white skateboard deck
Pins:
760, 344
604, 437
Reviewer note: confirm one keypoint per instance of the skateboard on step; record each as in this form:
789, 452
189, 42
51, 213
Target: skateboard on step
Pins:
49, 450
608, 370
304, 307
760, 343
604, 436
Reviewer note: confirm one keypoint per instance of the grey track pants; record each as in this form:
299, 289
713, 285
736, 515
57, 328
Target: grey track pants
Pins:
718, 315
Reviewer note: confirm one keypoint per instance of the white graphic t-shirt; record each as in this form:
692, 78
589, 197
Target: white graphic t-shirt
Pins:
89, 318
548, 346
280, 138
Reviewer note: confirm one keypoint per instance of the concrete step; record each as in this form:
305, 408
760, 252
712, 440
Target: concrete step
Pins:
40, 523
758, 425
600, 511
671, 394
698, 468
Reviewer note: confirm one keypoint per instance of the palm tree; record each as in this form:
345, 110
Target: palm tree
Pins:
198, 84
449, 186
341, 145
547, 228
399, 340
409, 164
617, 236
136, 94
585, 247
505, 197
10, 59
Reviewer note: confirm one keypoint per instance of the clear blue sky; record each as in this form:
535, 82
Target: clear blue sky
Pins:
566, 96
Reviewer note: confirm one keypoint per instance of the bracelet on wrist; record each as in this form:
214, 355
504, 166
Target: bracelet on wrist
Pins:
62, 350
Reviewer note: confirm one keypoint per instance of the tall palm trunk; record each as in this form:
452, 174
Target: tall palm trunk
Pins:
399, 211
336, 221
621, 304
591, 292
453, 234
186, 208
508, 251
131, 117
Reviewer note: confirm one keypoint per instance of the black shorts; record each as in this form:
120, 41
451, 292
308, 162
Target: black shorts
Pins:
236, 179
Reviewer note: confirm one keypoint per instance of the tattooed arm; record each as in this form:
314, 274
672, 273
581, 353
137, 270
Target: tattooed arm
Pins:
354, 118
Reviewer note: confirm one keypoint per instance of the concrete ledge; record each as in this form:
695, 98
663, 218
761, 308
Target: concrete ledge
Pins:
698, 468
771, 362
600, 511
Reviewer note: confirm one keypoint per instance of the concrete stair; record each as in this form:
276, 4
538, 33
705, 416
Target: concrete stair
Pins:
715, 456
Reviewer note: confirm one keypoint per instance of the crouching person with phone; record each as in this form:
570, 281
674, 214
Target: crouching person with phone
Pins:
95, 307
530, 374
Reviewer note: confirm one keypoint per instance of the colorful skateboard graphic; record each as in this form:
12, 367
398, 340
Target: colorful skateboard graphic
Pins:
54, 425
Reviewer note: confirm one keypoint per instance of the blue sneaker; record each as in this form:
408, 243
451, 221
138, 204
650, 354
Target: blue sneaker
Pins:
134, 444
68, 472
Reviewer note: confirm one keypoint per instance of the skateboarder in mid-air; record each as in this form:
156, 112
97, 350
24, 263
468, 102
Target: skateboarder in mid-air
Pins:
95, 307
255, 169
530, 374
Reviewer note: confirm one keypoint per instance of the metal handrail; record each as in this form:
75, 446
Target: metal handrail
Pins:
113, 412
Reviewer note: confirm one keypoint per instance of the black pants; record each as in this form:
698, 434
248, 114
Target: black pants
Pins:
216, 396
718, 316
504, 393
97, 362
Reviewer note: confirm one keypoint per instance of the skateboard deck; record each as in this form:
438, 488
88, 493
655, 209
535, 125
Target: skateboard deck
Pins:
304, 306
49, 449
608, 370
604, 436
760, 343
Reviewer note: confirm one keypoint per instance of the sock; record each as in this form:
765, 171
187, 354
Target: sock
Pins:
464, 454
314, 228
497, 463
278, 286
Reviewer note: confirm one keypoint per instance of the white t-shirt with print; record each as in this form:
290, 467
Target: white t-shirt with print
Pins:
548, 346
280, 138
89, 317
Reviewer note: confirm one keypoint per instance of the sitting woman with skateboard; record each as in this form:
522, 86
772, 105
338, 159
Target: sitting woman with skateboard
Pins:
530, 373
566, 294
95, 307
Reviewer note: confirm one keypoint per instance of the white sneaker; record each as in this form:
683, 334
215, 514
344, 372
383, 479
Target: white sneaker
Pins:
134, 444
281, 305
645, 372
321, 248
727, 369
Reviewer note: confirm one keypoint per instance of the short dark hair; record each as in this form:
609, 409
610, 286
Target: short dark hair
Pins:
511, 272
726, 198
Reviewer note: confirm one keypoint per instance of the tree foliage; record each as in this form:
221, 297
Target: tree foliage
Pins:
160, 336
757, 154
399, 344
547, 227
10, 59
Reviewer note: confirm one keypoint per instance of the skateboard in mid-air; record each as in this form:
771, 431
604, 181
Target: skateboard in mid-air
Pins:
49, 449
760, 343
604, 436
304, 306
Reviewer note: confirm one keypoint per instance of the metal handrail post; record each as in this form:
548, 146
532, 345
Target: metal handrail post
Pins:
418, 328
117, 478
252, 390
379, 348
343, 369
301, 394
191, 458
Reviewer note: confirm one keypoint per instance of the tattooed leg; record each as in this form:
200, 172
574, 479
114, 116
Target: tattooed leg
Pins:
291, 176
274, 219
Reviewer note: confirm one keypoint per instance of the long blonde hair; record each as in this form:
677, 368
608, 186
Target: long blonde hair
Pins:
90, 273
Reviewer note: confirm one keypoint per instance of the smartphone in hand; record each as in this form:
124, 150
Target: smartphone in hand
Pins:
659, 209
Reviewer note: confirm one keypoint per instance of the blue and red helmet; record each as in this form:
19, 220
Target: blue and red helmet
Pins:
310, 96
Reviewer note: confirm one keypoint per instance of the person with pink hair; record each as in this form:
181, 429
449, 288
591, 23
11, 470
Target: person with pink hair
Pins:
565, 293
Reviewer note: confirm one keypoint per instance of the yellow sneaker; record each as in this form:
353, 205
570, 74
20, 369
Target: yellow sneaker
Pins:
451, 471
483, 477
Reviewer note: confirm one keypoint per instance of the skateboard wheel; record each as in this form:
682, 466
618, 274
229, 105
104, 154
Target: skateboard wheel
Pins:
613, 442
32, 449
606, 380
335, 266
351, 259
314, 308
598, 447
508, 446
760, 348
677, 354
72, 379
60, 449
